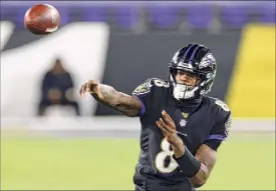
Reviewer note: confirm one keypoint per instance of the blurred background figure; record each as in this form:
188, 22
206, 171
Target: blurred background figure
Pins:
57, 89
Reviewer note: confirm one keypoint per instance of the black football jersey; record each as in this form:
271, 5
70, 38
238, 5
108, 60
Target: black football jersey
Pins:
198, 121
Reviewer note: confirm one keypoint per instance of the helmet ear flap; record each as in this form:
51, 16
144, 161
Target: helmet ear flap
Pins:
173, 72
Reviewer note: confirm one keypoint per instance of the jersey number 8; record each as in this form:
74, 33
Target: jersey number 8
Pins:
165, 155
222, 105
161, 83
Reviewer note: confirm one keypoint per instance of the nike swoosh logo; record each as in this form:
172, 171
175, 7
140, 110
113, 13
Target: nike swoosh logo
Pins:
184, 134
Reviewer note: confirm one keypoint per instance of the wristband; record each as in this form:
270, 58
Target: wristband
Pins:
188, 164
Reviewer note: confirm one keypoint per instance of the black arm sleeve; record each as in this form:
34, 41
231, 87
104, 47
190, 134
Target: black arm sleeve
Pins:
143, 94
219, 132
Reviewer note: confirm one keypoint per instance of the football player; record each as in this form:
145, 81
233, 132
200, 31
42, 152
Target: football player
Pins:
181, 127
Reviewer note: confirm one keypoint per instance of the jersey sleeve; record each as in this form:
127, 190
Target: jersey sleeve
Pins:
221, 128
143, 93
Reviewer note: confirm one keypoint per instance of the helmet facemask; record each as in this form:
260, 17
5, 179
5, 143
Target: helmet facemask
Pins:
180, 90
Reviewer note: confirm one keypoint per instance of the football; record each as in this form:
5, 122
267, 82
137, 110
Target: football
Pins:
42, 19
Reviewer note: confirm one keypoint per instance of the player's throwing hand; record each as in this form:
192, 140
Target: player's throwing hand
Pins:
93, 87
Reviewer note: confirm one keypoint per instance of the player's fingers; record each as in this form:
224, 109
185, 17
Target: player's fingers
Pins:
96, 90
168, 120
166, 126
163, 132
160, 126
166, 116
89, 83
88, 87
91, 86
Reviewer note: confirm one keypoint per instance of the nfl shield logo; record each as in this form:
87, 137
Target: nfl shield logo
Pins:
182, 122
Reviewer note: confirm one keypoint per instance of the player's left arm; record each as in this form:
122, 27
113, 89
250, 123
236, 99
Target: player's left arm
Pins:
207, 159
197, 168
207, 152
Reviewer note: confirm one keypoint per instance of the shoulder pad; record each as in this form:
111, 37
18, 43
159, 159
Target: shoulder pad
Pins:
147, 86
143, 88
159, 82
224, 113
228, 124
220, 105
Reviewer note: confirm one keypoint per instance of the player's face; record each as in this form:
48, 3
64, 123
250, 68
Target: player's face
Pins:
187, 78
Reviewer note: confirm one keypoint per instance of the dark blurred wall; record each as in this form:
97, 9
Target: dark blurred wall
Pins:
133, 58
